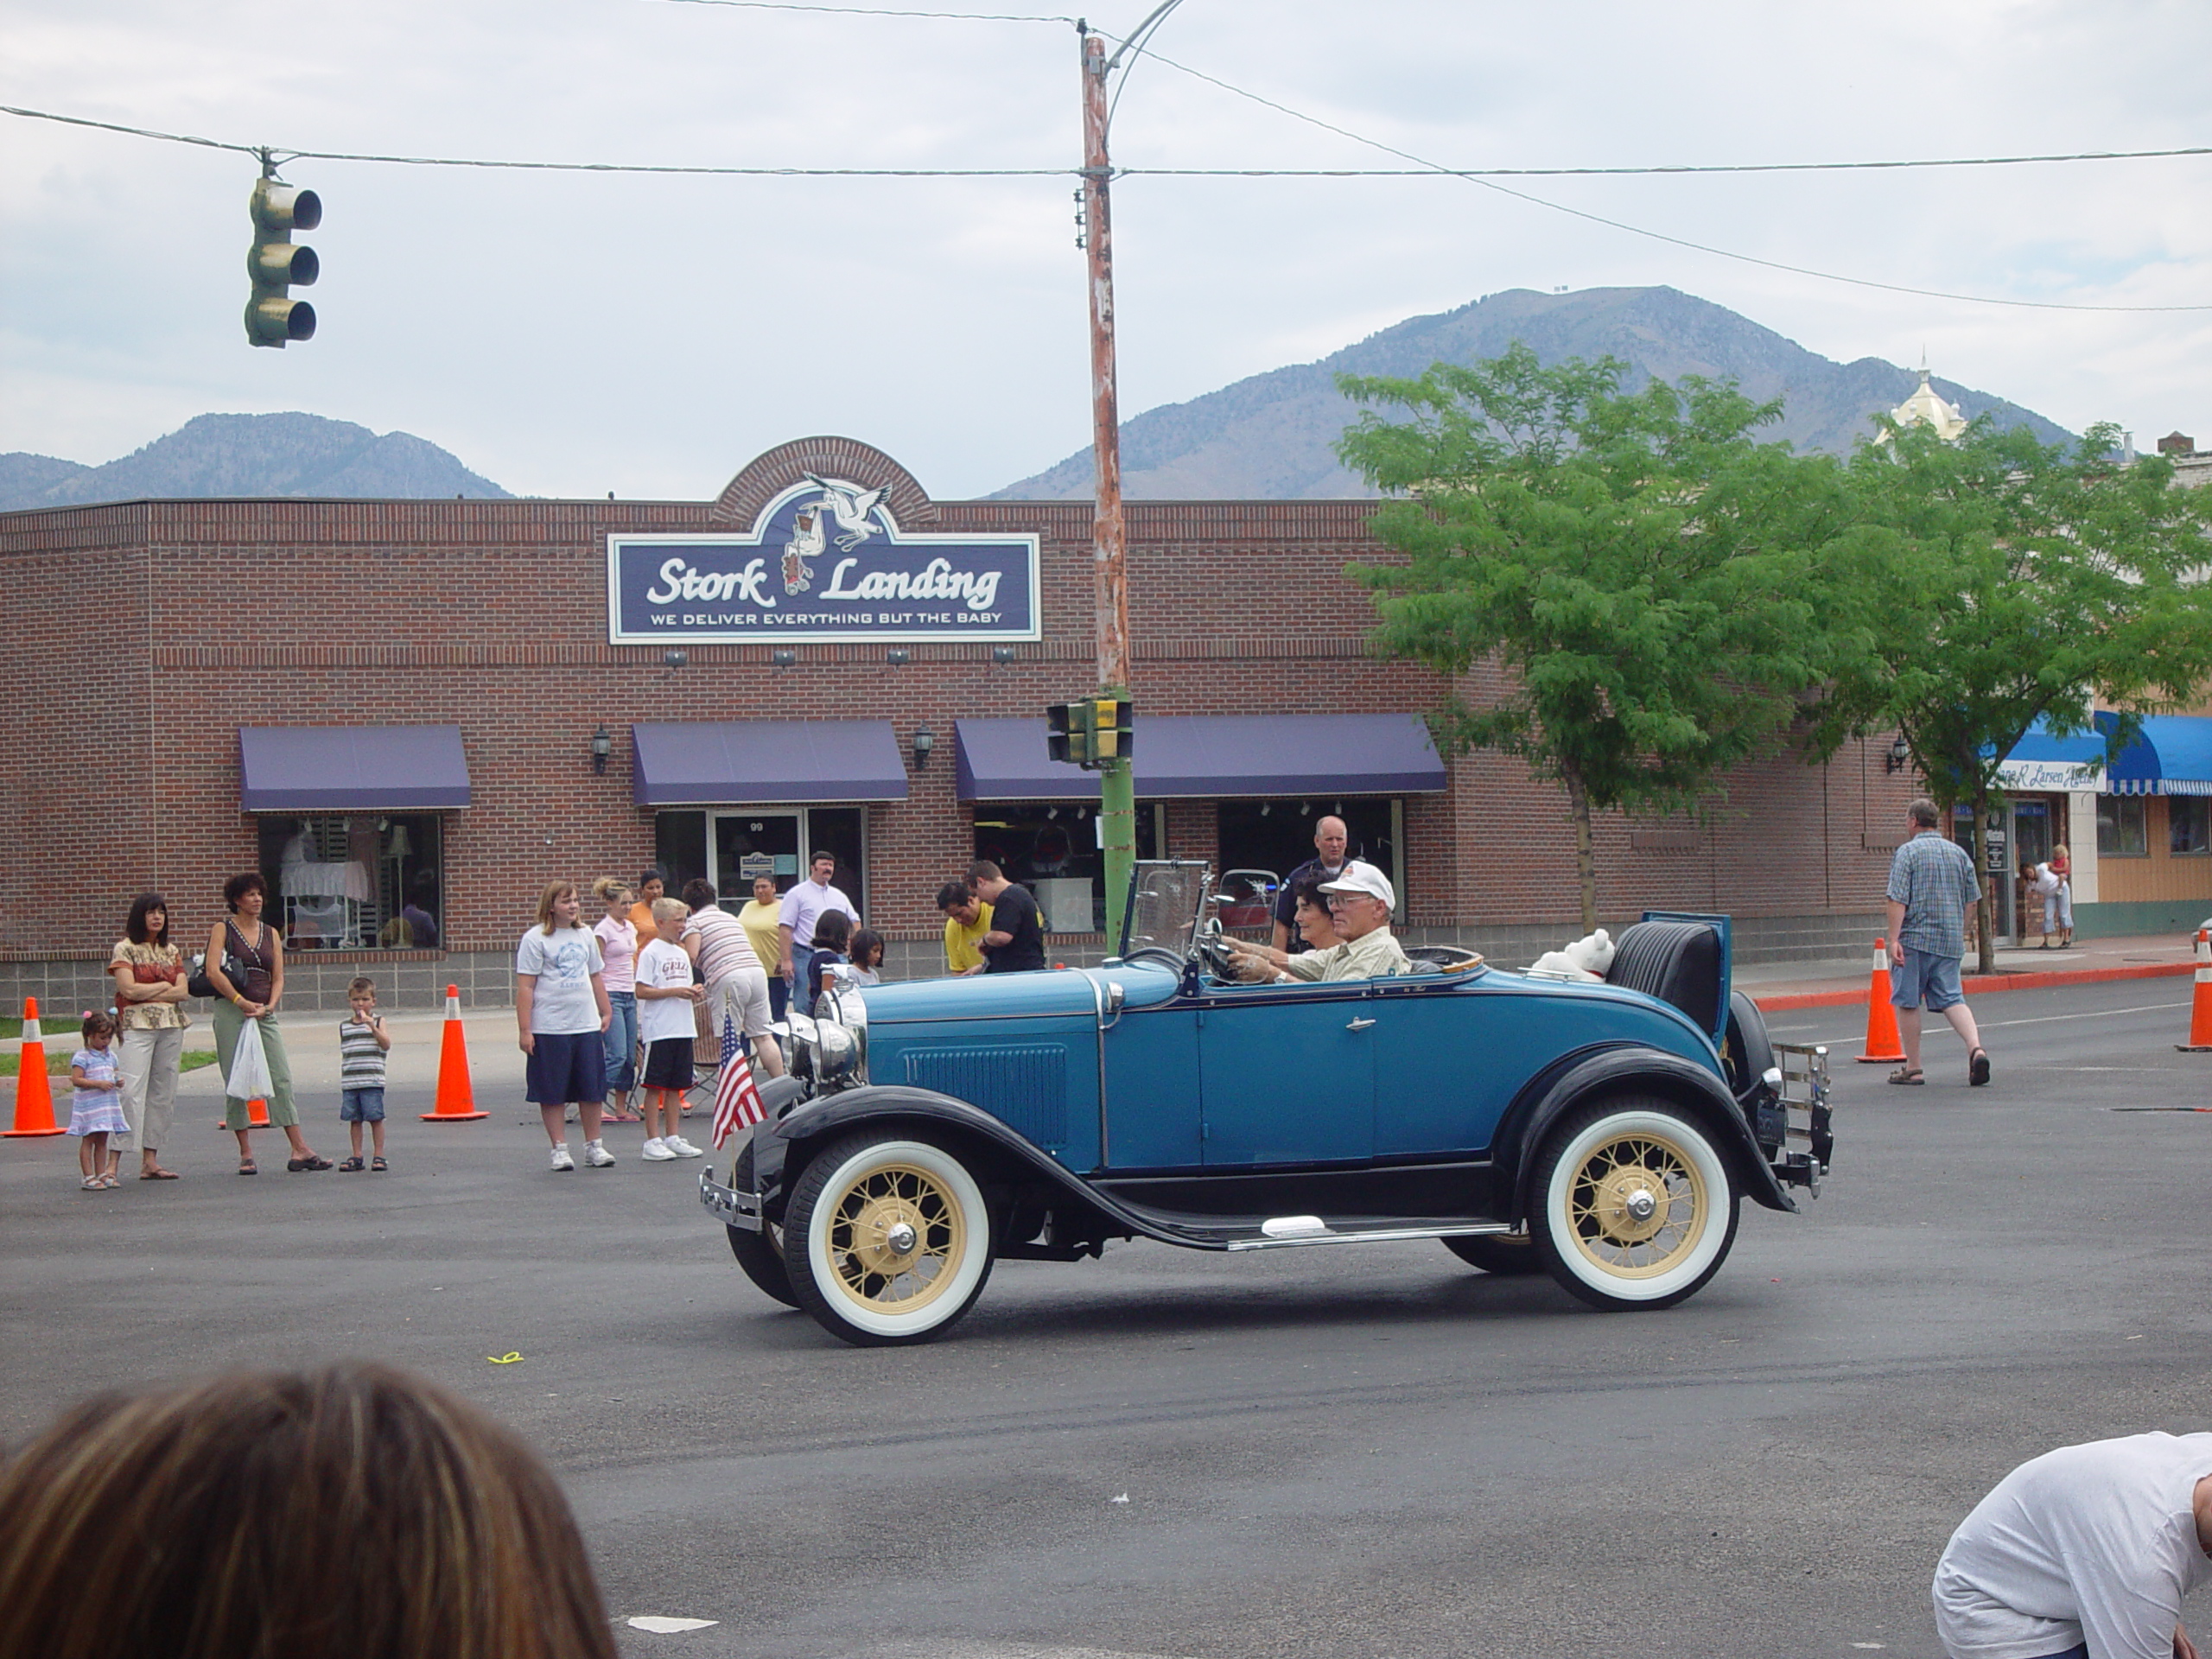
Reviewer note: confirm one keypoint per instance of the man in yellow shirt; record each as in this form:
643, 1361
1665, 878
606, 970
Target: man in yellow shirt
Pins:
966, 918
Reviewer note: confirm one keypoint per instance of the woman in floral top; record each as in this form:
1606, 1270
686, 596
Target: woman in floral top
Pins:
150, 995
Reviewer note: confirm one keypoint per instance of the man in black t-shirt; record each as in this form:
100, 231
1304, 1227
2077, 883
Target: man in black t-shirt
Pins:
1015, 943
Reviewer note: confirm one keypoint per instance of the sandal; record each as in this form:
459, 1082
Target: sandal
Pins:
1978, 1068
91, 1184
247, 1167
377, 1163
295, 1164
351, 1165
157, 1173
1908, 1076
110, 1182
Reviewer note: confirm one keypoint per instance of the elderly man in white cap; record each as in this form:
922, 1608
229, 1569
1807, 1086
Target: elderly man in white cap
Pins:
1360, 903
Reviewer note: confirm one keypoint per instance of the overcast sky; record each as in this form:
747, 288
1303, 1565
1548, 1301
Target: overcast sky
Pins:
570, 335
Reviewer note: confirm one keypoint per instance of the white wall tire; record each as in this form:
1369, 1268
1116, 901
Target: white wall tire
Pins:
1635, 1207
887, 1240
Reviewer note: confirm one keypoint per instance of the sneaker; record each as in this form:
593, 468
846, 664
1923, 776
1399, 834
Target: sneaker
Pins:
560, 1159
682, 1148
597, 1156
656, 1151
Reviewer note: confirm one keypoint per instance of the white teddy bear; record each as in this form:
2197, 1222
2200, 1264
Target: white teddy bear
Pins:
1581, 959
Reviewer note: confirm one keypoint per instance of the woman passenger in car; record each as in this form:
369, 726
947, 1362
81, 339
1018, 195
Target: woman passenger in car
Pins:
1310, 913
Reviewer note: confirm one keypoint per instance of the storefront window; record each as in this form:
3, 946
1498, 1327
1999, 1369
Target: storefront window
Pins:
1052, 848
1278, 835
729, 846
365, 881
2188, 825
2120, 827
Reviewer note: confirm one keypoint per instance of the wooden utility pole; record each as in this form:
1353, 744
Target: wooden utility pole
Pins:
1118, 815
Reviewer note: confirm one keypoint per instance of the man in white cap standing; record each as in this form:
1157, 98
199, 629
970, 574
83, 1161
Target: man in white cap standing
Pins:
1360, 903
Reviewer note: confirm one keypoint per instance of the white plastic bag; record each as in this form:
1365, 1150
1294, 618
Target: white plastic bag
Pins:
250, 1078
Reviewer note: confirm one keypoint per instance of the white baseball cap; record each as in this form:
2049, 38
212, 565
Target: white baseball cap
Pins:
1357, 877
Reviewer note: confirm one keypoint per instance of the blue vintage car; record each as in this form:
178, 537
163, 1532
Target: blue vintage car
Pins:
1601, 1131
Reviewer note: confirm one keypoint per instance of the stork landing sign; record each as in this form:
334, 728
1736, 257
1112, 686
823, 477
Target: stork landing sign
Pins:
824, 562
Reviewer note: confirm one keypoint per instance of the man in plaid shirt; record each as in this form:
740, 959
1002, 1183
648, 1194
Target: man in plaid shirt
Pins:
1932, 894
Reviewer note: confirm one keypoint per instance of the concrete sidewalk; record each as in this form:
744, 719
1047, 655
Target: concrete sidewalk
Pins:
495, 1063
2088, 962
311, 1044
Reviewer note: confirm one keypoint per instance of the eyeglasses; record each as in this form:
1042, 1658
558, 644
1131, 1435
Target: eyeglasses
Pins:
1338, 901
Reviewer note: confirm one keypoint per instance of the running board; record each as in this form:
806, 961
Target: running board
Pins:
1288, 1232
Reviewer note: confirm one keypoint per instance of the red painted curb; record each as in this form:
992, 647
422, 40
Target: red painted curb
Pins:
1983, 984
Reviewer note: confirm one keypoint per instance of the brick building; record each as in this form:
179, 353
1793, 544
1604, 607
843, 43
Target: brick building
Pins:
387, 704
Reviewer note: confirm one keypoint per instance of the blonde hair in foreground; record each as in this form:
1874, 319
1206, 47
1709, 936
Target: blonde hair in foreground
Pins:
350, 1513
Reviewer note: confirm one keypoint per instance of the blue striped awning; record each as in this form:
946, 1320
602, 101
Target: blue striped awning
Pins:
2171, 756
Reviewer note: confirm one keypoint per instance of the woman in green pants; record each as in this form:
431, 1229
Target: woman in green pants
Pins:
243, 941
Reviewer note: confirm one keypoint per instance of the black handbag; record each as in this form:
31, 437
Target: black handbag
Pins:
201, 985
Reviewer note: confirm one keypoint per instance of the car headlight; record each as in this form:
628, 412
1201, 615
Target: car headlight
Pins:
840, 1039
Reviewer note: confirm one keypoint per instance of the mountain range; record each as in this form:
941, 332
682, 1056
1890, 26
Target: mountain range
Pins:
1273, 435
249, 455
1270, 436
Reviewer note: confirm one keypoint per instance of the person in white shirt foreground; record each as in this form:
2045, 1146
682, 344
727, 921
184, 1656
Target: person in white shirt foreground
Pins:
2083, 1553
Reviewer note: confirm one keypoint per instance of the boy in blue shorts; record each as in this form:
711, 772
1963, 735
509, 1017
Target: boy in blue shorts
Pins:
362, 1044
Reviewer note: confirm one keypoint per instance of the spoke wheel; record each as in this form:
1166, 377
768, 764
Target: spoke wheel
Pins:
891, 1237
1638, 1206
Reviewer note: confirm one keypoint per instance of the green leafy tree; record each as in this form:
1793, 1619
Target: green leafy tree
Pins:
2008, 582
1644, 570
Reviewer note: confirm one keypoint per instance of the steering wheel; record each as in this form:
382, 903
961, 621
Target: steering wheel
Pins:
1213, 953
1159, 953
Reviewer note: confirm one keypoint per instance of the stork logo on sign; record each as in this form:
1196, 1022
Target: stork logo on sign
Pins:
854, 509
825, 559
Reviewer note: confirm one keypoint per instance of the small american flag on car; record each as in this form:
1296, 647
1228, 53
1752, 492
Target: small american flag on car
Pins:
737, 1101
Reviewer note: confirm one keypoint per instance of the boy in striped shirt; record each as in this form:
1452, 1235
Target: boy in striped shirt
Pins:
362, 1041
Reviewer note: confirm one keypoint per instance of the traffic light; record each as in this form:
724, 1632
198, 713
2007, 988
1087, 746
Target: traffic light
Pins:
1060, 737
1089, 732
272, 316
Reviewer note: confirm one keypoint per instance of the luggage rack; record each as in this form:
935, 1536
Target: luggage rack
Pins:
1808, 1140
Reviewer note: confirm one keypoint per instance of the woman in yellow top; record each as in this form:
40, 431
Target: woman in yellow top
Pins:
758, 919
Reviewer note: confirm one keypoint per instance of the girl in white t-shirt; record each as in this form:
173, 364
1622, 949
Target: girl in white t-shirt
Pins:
667, 992
562, 1011
617, 943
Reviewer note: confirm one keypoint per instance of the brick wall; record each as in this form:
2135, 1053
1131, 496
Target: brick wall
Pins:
142, 635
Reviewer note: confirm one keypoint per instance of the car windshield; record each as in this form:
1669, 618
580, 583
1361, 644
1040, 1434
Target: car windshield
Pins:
1164, 896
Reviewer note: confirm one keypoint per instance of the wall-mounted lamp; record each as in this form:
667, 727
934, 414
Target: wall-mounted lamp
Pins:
1306, 809
601, 747
924, 741
898, 656
1900, 755
1266, 807
1002, 654
783, 657
674, 659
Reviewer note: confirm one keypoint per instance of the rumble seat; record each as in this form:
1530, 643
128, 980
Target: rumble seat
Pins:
1677, 962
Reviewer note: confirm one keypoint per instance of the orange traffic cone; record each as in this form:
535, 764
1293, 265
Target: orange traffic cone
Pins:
1883, 1046
34, 1094
257, 1115
2200, 1008
456, 1102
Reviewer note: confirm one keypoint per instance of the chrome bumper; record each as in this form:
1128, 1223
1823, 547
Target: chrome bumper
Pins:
728, 1205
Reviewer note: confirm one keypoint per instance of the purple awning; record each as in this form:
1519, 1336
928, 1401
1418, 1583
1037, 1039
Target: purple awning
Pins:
351, 768
1207, 757
758, 762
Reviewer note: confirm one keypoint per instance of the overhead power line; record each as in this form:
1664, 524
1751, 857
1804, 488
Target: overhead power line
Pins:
1488, 183
1423, 168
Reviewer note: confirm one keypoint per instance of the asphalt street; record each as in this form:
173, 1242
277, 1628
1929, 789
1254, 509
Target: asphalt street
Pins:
1366, 1451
